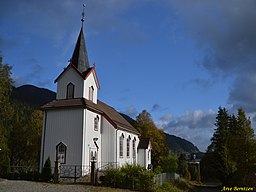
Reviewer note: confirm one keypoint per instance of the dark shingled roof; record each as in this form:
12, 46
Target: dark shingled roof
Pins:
108, 112
80, 57
143, 144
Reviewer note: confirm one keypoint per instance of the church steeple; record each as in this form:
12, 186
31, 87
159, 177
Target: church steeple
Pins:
80, 57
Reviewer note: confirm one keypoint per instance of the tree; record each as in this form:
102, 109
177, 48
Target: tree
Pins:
47, 170
26, 136
242, 147
169, 163
147, 129
182, 165
6, 113
232, 154
224, 164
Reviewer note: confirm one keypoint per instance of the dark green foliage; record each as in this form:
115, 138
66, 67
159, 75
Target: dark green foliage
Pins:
20, 128
168, 186
26, 136
187, 175
169, 163
231, 156
182, 165
129, 177
47, 171
6, 113
194, 171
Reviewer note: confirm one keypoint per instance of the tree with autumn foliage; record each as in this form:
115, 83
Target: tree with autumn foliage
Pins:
160, 150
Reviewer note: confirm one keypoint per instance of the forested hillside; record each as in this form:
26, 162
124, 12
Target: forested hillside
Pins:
20, 127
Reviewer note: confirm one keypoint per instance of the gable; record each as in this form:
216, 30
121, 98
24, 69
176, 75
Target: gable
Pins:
83, 75
70, 76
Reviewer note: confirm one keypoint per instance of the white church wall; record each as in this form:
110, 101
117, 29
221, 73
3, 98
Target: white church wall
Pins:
63, 126
144, 157
126, 159
141, 157
70, 76
89, 147
108, 144
90, 81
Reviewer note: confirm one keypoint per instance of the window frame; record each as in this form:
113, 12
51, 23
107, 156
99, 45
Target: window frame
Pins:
96, 123
70, 91
61, 156
128, 147
134, 148
121, 146
91, 93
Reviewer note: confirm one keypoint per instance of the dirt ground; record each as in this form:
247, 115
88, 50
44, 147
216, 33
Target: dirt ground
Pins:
28, 186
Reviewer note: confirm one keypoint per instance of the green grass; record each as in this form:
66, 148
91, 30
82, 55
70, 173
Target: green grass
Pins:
180, 185
104, 189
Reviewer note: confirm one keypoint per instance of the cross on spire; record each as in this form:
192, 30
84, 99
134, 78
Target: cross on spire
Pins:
82, 19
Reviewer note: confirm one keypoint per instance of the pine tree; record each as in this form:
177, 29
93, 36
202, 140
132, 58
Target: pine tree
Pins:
223, 162
242, 147
231, 156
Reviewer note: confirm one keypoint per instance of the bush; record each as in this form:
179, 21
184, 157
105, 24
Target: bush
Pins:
4, 165
129, 177
47, 170
187, 175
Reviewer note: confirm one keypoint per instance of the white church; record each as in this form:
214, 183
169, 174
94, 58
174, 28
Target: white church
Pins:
79, 128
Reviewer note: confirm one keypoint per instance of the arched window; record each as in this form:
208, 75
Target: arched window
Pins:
121, 146
134, 148
70, 91
96, 123
91, 92
61, 150
128, 146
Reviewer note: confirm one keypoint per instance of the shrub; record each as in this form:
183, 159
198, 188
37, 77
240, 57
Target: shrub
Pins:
129, 177
4, 165
187, 175
47, 170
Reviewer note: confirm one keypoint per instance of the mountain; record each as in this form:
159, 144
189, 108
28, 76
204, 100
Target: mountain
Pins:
32, 95
37, 97
179, 145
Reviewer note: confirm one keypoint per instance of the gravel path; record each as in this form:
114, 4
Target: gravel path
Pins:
28, 186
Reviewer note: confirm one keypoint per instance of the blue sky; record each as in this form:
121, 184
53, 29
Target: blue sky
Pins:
178, 59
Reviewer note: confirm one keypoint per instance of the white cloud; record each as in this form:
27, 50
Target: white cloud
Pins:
196, 126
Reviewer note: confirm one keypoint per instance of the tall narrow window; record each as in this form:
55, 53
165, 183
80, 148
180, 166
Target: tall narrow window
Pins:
121, 145
128, 146
96, 123
133, 148
70, 91
61, 152
91, 92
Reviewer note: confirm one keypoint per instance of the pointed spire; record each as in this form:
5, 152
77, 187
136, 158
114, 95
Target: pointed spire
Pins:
80, 57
